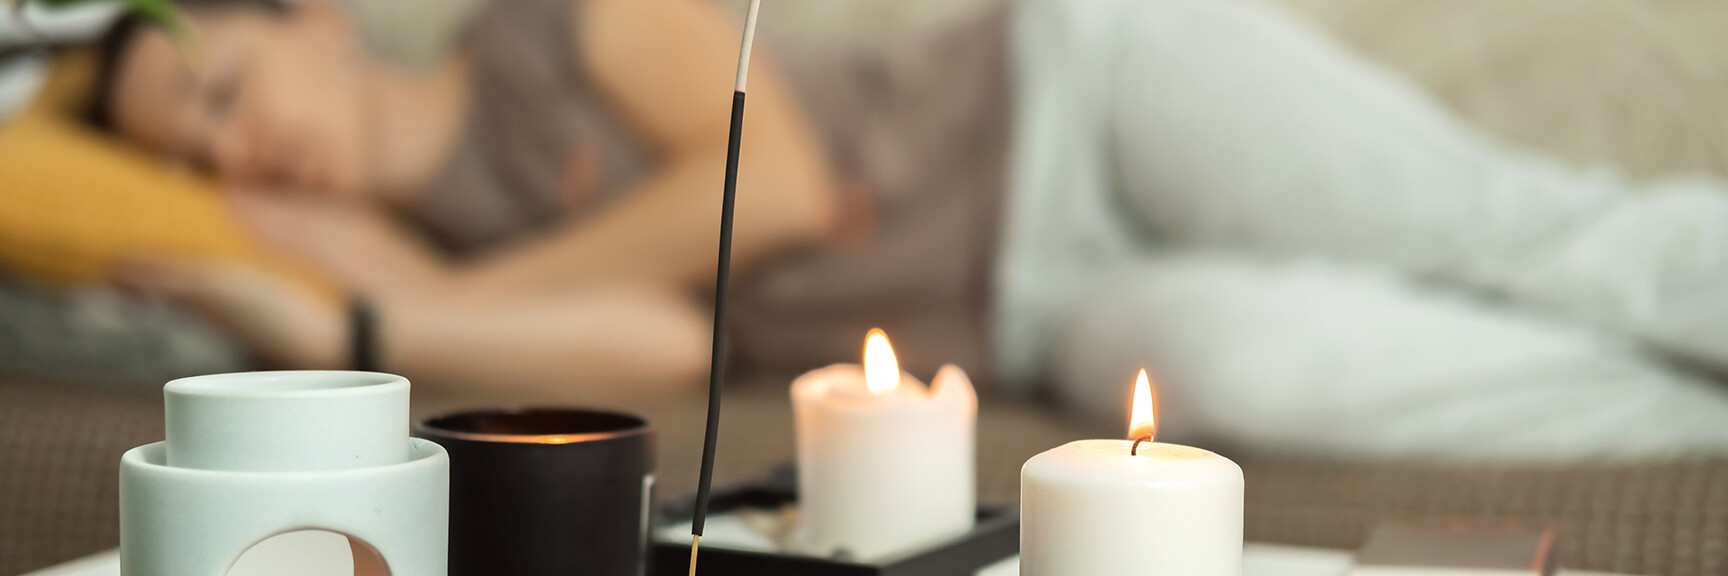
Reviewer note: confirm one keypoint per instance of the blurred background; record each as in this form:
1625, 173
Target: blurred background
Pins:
1399, 258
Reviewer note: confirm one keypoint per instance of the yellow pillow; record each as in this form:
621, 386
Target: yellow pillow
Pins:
73, 200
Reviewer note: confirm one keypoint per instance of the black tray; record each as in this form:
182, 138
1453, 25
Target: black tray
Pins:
995, 537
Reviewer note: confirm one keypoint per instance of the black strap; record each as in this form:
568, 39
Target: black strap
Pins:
362, 335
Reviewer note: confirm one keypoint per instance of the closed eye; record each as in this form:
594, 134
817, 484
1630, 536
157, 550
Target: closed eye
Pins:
220, 96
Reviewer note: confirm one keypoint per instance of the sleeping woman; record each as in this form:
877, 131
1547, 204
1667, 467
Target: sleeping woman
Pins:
1309, 255
535, 210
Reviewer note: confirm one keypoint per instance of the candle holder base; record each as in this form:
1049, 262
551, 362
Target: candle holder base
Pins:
769, 504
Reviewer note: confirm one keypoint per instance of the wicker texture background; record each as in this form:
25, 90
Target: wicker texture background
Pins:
60, 446
1669, 519
59, 470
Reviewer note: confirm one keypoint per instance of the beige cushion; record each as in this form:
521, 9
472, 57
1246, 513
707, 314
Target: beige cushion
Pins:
413, 34
1642, 84
843, 24
1638, 83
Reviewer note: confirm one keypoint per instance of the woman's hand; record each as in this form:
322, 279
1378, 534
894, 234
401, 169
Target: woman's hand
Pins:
356, 246
359, 246
280, 322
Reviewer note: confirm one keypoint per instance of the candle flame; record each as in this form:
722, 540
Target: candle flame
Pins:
881, 370
1142, 420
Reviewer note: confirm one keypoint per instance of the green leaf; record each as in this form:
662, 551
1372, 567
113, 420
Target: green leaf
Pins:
158, 13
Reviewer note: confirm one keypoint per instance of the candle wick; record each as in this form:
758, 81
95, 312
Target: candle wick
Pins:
1135, 449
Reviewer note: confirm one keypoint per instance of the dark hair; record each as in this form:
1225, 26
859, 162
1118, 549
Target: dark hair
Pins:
110, 48
112, 45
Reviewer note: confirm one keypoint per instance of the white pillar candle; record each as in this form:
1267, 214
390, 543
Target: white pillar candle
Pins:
885, 466
1101, 507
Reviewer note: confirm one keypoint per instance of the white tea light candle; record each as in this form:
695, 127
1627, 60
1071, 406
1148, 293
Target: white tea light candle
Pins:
1131, 507
885, 466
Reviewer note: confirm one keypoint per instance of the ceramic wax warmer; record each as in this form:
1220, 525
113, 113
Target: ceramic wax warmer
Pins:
253, 455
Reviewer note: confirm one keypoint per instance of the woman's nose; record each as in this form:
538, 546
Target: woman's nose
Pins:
251, 156
232, 155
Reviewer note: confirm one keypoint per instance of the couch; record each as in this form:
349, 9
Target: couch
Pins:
1644, 87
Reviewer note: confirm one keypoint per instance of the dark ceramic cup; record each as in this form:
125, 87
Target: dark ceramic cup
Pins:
546, 491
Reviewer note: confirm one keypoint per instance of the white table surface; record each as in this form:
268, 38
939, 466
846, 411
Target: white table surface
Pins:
325, 554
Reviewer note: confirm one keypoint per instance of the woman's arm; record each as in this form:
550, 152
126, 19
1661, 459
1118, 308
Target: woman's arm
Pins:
596, 344
668, 66
601, 343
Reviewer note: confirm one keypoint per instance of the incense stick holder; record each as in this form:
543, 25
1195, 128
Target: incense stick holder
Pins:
252, 455
994, 537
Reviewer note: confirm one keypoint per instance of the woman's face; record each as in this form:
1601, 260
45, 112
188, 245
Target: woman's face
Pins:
265, 99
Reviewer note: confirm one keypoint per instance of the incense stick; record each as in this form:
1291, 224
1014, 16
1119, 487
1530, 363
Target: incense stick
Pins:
717, 359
